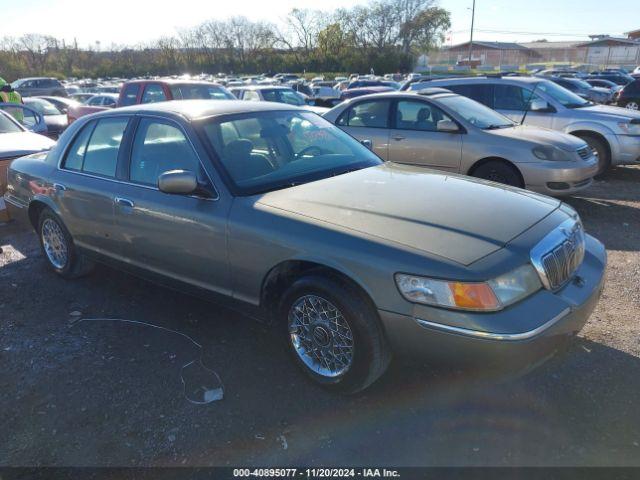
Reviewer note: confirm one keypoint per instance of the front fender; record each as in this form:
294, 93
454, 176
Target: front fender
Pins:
591, 126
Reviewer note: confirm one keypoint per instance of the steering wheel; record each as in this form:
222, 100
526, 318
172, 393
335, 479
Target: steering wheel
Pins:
312, 150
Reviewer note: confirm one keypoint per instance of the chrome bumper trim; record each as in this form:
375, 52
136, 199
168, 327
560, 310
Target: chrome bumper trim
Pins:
509, 337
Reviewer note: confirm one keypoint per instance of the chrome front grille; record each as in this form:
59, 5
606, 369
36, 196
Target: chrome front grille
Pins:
559, 254
585, 152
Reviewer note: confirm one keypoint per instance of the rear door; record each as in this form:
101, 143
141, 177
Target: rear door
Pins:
86, 184
369, 120
178, 236
415, 139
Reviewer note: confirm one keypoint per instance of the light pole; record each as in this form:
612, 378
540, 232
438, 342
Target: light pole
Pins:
473, 15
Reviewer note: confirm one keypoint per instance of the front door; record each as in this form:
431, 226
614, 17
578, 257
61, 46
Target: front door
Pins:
513, 101
369, 120
415, 138
179, 236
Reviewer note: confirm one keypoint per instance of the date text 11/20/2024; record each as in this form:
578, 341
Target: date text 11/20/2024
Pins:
317, 472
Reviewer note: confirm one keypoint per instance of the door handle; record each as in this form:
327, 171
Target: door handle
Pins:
59, 187
123, 202
397, 138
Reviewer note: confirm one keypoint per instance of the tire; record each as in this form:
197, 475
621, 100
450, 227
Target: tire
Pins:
602, 150
369, 354
58, 248
500, 172
632, 105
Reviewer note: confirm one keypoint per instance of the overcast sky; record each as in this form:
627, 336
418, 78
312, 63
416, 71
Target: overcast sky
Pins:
134, 21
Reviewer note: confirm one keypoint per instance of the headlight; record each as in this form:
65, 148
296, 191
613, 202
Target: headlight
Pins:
630, 128
478, 296
551, 153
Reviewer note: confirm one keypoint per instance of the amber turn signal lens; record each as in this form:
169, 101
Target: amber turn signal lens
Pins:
474, 296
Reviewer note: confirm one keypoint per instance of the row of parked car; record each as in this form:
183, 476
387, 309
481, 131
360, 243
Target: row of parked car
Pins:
499, 128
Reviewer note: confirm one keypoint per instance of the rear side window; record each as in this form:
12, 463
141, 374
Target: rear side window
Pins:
153, 93
130, 94
372, 114
482, 93
95, 149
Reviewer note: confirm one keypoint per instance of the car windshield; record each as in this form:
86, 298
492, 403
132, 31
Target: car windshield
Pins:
283, 96
7, 125
43, 107
475, 113
272, 150
200, 92
562, 95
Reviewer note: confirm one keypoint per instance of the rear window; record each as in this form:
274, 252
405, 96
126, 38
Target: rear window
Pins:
200, 92
130, 94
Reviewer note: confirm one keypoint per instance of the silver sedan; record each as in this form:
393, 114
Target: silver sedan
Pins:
439, 129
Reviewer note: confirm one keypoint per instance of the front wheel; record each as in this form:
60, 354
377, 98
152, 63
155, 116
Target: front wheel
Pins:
333, 333
632, 105
500, 172
58, 247
601, 150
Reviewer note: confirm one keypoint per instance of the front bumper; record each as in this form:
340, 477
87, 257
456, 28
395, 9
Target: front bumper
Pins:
486, 340
559, 178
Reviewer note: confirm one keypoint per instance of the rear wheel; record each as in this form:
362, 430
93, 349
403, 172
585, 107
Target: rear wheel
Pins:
600, 149
333, 333
632, 105
500, 172
58, 247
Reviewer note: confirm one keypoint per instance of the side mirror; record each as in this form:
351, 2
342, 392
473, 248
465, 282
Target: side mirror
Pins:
367, 143
448, 126
539, 105
178, 182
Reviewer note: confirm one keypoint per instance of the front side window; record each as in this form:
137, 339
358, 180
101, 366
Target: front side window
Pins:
95, 101
157, 148
372, 114
264, 151
475, 113
95, 149
412, 115
290, 97
108, 101
130, 94
7, 125
153, 93
251, 95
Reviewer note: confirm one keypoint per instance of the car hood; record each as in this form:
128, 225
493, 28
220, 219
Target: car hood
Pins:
611, 113
451, 216
23, 143
541, 135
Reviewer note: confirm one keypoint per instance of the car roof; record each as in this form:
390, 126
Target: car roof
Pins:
194, 109
171, 81
264, 87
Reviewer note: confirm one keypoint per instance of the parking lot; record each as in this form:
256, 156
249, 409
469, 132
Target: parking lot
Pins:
84, 393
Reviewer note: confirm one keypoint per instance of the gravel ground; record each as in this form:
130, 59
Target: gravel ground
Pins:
110, 393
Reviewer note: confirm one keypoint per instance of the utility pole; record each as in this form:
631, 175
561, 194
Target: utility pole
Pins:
473, 15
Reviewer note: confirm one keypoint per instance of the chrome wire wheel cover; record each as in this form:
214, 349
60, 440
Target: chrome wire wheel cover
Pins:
321, 336
55, 244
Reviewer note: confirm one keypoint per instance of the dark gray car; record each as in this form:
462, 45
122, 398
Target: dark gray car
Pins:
280, 213
37, 86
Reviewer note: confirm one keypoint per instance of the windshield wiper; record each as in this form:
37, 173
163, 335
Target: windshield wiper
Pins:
579, 105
